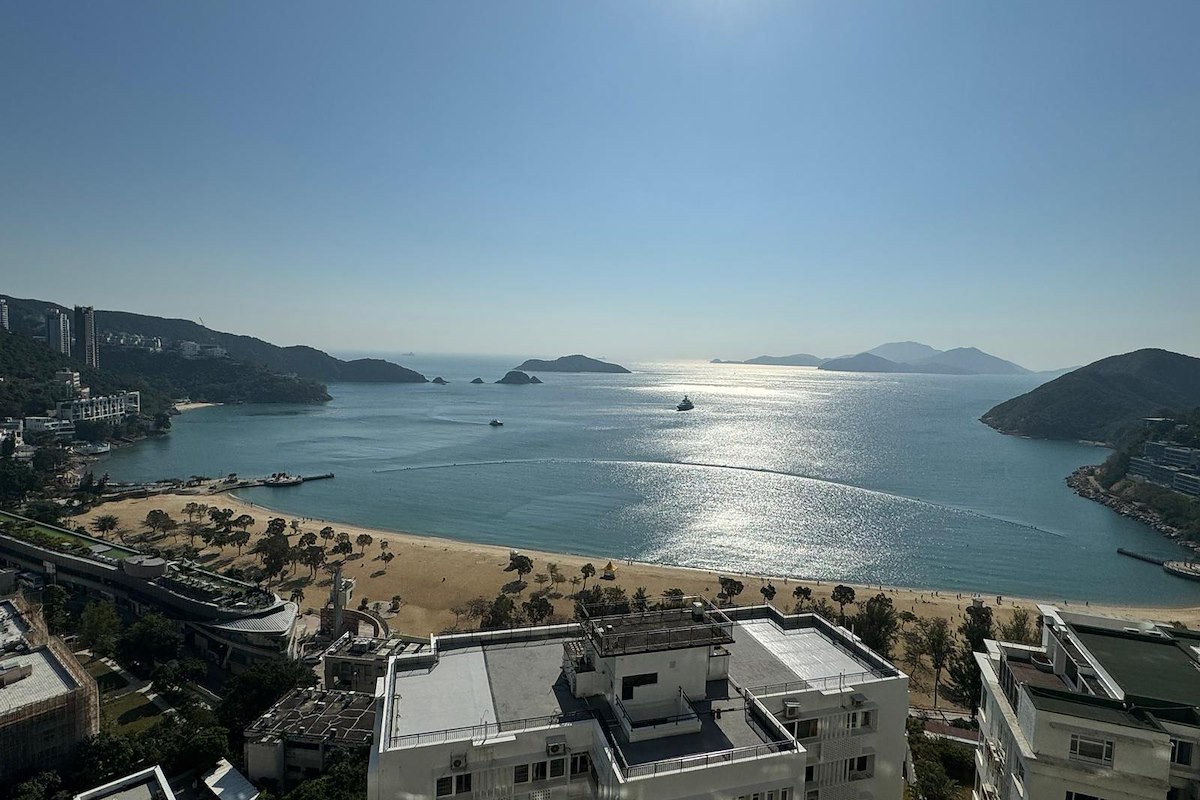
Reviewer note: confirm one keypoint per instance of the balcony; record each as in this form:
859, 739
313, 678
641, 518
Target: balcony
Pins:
654, 720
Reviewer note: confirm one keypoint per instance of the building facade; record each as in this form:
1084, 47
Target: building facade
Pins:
681, 702
356, 663
48, 702
1102, 709
4, 323
108, 408
58, 331
87, 347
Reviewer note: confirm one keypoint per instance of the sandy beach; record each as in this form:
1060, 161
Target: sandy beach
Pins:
193, 406
433, 575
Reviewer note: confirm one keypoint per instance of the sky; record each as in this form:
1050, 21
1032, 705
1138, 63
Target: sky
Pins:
636, 180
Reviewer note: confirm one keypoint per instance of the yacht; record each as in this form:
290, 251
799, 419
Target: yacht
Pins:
685, 404
496, 423
283, 479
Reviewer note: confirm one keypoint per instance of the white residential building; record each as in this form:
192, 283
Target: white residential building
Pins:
4, 315
691, 702
108, 407
1103, 709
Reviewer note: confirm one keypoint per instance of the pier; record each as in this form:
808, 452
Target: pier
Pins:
1151, 559
1180, 569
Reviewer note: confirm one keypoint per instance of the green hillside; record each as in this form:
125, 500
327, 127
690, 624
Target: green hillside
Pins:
28, 317
1105, 400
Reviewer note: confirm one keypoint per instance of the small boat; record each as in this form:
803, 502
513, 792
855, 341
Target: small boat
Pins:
496, 423
283, 479
685, 404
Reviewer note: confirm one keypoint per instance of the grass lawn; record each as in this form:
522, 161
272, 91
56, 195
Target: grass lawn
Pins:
131, 713
115, 551
106, 678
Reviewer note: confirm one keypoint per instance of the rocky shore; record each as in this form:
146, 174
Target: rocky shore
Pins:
1085, 484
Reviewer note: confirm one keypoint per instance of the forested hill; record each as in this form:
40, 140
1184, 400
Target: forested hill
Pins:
307, 362
1105, 400
28, 368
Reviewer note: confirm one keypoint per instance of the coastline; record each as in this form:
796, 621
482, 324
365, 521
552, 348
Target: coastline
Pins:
1083, 482
434, 574
181, 407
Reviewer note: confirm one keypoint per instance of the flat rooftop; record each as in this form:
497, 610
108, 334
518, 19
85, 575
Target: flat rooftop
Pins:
764, 654
148, 784
368, 647
1146, 666
661, 629
48, 677
313, 714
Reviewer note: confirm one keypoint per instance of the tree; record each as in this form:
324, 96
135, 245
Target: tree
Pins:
242, 522
342, 548
313, 558
842, 595
768, 591
239, 540
99, 628
153, 639
328, 534
639, 602
1019, 629
587, 571
297, 595
522, 565
803, 595
937, 644
155, 519
190, 510
730, 588
54, 608
105, 523
307, 539
541, 579
537, 608
500, 614
191, 530
877, 624
673, 597
41, 786
172, 678
477, 607
965, 677
387, 559
933, 783
363, 540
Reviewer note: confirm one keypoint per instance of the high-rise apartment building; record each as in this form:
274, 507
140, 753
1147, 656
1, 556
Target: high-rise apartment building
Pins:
1102, 709
86, 346
58, 331
4, 315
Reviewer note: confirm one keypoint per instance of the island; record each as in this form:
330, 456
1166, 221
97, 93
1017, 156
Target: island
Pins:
477, 380
575, 363
913, 357
517, 378
1104, 401
439, 380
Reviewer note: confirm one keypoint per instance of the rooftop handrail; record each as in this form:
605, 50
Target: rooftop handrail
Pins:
489, 729
668, 765
802, 685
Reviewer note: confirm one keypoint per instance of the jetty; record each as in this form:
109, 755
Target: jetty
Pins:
1181, 569
279, 479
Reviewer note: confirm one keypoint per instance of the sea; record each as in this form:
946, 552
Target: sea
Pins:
783, 471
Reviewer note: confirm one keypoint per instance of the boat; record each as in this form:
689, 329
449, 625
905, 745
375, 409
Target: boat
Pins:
283, 479
685, 404
496, 423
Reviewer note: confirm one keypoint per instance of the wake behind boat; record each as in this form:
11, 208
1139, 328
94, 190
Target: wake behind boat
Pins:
685, 404
496, 423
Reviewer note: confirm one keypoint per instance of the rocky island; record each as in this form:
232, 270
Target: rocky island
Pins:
439, 380
517, 378
575, 363
477, 380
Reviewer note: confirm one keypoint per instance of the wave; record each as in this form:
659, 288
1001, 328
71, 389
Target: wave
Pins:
732, 467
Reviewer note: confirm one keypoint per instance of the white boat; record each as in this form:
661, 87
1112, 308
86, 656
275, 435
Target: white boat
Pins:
496, 423
685, 404
283, 479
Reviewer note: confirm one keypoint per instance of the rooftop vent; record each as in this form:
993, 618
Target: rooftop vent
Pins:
697, 611
11, 673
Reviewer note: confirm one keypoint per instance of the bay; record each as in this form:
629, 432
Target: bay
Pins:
886, 479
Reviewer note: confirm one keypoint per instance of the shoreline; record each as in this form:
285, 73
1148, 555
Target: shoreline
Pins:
182, 407
448, 555
1083, 482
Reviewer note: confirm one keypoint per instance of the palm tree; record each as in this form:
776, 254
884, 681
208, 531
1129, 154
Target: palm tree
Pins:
327, 534
842, 595
297, 595
105, 523
387, 559
363, 541
587, 571
803, 595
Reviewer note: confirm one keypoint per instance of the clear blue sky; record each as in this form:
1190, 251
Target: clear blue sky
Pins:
668, 179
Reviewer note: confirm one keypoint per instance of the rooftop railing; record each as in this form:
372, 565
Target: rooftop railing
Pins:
839, 681
669, 765
479, 733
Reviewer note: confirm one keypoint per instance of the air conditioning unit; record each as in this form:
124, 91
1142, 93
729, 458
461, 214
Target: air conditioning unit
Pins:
556, 748
791, 709
458, 762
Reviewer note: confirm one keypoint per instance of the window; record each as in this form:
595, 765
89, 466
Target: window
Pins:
580, 762
1088, 749
1181, 752
1081, 796
452, 785
810, 773
858, 719
539, 771
631, 682
803, 729
445, 787
558, 767
785, 793
521, 773
462, 783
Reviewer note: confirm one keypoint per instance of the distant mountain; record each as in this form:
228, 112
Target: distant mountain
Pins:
515, 377
575, 363
971, 360
864, 362
904, 352
27, 317
1104, 400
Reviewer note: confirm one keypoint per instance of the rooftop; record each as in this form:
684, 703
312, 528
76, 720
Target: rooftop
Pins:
1085, 706
765, 655
350, 646
316, 715
1149, 666
47, 677
147, 784
662, 629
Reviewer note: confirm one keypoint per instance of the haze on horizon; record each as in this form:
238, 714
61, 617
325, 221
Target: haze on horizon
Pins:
680, 179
